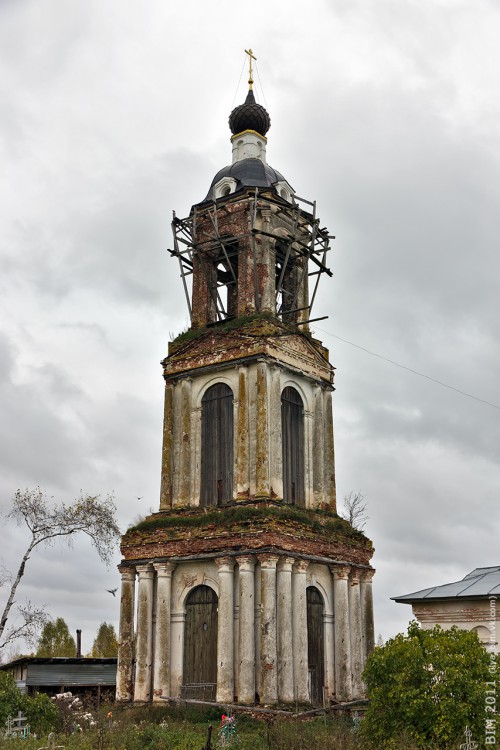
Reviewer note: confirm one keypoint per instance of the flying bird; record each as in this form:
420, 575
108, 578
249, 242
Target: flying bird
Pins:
112, 591
140, 498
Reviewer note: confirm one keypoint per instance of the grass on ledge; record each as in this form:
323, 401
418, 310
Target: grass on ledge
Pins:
320, 521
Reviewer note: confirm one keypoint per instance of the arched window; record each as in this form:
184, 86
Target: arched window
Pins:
315, 645
292, 436
217, 445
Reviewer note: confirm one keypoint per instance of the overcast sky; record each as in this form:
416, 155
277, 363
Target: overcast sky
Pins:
386, 112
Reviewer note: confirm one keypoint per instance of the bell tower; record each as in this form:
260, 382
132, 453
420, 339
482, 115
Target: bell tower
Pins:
250, 588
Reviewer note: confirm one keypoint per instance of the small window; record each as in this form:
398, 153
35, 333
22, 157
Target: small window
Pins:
225, 190
217, 445
292, 436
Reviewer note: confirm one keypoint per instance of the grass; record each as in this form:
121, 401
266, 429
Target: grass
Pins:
164, 728
320, 522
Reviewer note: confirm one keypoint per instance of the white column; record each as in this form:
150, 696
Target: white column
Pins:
225, 635
329, 654
161, 670
368, 630
246, 635
144, 638
356, 633
257, 620
308, 458
268, 653
343, 682
299, 619
178, 622
285, 630
125, 669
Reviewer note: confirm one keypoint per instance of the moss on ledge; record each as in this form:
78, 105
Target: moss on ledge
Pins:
259, 324
321, 523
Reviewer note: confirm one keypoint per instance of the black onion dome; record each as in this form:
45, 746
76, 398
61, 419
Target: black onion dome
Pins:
248, 173
249, 116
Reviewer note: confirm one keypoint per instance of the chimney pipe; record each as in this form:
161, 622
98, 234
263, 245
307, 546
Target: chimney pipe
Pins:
78, 644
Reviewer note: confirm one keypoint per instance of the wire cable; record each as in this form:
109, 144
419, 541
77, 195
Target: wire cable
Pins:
410, 369
260, 84
238, 85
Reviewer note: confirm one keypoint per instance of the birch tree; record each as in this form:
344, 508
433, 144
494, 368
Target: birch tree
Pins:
46, 523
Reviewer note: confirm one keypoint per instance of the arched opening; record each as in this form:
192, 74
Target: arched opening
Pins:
199, 672
315, 645
292, 436
226, 268
287, 276
483, 634
217, 445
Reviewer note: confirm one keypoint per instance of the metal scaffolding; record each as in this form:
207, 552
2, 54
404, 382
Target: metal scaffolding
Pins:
223, 250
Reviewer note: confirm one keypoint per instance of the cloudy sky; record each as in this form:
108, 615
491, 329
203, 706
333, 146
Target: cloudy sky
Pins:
386, 112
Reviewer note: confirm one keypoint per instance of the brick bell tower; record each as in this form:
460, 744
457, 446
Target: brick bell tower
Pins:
246, 586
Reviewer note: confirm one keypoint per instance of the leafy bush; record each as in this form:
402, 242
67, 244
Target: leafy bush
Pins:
41, 712
428, 685
39, 709
11, 700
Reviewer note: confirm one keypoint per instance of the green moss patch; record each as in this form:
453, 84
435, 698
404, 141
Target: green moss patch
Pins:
228, 518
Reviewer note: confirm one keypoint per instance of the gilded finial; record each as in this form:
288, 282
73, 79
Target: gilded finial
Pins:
251, 57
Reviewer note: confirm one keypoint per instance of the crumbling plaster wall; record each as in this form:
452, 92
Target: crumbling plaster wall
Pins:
257, 389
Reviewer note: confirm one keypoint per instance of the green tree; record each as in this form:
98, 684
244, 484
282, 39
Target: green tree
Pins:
56, 640
106, 642
428, 684
10, 698
46, 523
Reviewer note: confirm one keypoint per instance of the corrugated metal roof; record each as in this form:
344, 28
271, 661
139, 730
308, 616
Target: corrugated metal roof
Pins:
71, 674
480, 582
60, 660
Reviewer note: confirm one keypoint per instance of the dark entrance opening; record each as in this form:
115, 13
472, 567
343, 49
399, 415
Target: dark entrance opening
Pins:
199, 672
315, 645
292, 431
217, 463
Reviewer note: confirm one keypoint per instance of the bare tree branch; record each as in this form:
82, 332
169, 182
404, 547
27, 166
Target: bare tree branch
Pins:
47, 522
32, 621
354, 510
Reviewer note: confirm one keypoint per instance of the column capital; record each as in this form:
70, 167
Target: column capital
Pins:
127, 572
367, 575
226, 563
246, 563
268, 561
301, 566
340, 572
164, 569
145, 571
355, 576
285, 564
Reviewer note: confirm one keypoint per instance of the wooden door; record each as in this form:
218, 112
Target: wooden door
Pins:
292, 436
217, 461
199, 674
315, 645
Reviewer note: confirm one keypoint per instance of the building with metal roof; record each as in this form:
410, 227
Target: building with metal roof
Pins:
471, 604
53, 675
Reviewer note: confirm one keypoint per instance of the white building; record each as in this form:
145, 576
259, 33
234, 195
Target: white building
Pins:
471, 604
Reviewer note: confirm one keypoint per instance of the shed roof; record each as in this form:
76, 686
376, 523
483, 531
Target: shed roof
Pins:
479, 583
59, 660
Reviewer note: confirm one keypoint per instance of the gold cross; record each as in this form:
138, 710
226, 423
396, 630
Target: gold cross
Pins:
251, 57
